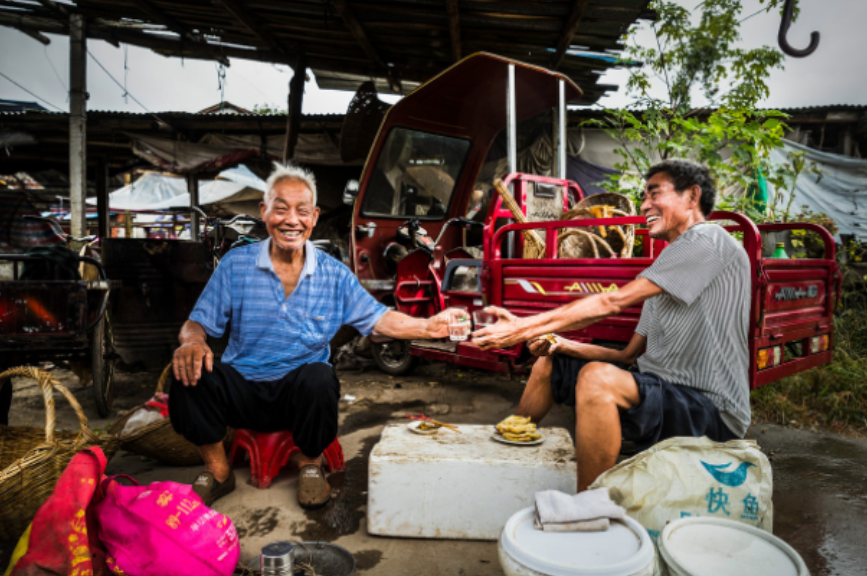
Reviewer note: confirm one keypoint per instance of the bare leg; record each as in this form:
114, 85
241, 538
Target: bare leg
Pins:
215, 459
537, 399
601, 390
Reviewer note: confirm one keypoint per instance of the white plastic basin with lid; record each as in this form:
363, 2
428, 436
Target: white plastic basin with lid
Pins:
622, 550
716, 547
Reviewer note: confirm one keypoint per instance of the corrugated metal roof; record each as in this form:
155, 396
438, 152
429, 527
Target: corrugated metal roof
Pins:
175, 115
392, 41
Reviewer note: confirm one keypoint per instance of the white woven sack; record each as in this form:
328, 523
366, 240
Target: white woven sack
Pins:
685, 476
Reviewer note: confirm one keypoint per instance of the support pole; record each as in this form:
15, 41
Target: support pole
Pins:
296, 99
77, 124
193, 189
555, 142
511, 122
103, 212
561, 132
511, 147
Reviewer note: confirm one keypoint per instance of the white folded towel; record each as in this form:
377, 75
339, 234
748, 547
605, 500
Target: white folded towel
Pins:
588, 511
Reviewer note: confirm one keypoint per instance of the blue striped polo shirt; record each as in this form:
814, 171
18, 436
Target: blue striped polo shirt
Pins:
270, 334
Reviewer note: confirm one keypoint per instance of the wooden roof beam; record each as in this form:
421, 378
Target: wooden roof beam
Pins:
54, 6
237, 10
363, 40
35, 34
572, 23
454, 27
357, 30
161, 17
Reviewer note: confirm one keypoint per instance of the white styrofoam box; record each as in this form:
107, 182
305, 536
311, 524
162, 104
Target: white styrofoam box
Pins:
460, 486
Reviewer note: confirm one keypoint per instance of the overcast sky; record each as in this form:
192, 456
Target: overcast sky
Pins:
834, 74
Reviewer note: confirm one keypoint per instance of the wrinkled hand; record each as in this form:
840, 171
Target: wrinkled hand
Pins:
438, 326
187, 362
542, 347
501, 335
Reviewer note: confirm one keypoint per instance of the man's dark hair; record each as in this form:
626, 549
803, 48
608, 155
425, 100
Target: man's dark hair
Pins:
685, 174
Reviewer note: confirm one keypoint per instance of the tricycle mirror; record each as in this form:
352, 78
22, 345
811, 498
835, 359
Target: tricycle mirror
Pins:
350, 192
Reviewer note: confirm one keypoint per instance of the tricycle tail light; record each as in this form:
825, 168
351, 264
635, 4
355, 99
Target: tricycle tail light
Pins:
762, 359
777, 355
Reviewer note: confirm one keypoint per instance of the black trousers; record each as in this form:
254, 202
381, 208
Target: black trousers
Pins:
304, 401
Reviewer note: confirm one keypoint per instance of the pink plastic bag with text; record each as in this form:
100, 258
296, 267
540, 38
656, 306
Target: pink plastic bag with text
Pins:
164, 529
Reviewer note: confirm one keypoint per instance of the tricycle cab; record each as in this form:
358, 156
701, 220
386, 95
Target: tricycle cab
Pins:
428, 154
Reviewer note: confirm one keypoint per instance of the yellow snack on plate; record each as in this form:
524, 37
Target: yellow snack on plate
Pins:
516, 425
521, 437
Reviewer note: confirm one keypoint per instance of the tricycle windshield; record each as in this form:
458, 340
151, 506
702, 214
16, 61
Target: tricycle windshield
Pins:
415, 175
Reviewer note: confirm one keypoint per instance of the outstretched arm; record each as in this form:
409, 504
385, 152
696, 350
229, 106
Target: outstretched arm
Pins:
573, 316
398, 325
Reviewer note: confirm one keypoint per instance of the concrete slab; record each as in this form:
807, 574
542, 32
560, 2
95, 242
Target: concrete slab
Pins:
461, 484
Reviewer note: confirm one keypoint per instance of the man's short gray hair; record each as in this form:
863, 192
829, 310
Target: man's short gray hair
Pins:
289, 172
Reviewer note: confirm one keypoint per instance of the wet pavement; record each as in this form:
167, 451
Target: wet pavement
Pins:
820, 479
820, 497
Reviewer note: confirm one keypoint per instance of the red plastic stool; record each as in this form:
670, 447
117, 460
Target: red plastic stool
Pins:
270, 451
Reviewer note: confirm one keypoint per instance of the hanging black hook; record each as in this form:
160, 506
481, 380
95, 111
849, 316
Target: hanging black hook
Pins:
788, 14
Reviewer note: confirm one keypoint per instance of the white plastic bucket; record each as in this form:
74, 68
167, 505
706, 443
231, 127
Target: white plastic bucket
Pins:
706, 546
622, 550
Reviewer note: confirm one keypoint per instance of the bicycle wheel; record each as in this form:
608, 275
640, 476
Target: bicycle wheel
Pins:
102, 365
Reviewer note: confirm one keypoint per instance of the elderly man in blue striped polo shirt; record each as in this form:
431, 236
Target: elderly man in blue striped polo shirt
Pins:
285, 301
692, 378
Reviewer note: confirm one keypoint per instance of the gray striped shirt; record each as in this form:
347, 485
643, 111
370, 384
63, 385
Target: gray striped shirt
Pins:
697, 329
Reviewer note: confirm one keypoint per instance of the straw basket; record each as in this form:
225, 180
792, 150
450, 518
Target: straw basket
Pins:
158, 440
598, 241
32, 460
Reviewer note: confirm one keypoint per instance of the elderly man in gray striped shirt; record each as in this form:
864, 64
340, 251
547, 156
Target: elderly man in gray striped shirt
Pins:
692, 378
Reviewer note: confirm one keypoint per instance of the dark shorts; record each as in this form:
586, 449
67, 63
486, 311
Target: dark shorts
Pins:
303, 401
666, 410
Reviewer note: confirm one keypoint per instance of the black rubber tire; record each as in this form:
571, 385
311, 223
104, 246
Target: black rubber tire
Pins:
393, 357
102, 366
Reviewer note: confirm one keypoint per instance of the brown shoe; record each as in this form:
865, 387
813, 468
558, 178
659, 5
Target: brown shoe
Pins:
314, 491
206, 486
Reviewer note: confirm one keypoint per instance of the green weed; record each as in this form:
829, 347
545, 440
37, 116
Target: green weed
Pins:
832, 396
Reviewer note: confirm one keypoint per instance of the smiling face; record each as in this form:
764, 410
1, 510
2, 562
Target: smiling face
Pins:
290, 215
669, 213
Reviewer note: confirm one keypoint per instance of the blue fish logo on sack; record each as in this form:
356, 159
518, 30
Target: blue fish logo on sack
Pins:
732, 478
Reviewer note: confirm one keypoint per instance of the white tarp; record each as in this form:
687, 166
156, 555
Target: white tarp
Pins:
237, 191
841, 193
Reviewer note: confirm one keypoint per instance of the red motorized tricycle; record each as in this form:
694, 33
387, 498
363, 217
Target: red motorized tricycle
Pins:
428, 233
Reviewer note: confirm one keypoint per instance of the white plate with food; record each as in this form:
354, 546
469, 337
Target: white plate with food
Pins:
517, 430
500, 438
423, 427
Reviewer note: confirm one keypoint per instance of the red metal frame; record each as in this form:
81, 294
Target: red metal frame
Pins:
519, 183
775, 322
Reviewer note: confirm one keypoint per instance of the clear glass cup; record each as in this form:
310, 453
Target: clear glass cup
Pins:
483, 319
459, 324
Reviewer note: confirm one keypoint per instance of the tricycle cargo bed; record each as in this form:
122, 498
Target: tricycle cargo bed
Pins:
792, 299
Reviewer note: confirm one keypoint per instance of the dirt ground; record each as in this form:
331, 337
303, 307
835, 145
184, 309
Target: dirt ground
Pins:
820, 478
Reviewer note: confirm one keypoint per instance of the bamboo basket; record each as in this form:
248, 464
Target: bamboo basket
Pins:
534, 246
33, 459
159, 440
604, 241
